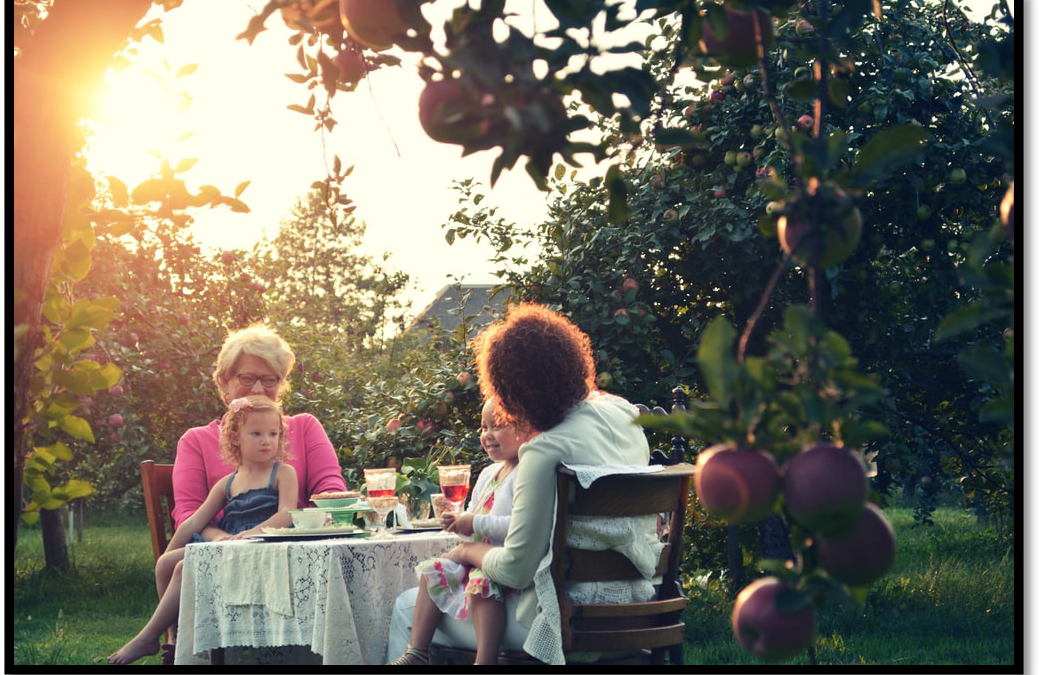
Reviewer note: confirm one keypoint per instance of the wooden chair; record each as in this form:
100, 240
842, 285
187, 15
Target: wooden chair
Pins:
156, 481
642, 632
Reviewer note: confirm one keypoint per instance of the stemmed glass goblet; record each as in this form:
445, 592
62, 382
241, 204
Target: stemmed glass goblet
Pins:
455, 483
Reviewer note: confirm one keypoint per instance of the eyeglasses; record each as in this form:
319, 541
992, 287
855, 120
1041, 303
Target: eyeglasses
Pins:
249, 379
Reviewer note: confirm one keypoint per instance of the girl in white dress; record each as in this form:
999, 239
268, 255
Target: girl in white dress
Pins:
462, 591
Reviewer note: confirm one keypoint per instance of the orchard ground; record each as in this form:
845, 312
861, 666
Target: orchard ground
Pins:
936, 607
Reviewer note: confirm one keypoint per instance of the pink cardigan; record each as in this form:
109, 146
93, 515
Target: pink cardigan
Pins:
198, 465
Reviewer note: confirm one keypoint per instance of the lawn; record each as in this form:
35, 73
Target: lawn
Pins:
951, 599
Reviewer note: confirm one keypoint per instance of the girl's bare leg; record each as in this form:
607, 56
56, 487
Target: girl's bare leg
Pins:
165, 567
425, 618
146, 642
490, 620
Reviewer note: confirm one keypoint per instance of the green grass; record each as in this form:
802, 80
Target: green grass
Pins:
949, 600
81, 616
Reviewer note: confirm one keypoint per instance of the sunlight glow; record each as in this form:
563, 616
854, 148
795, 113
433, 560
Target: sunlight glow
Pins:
140, 121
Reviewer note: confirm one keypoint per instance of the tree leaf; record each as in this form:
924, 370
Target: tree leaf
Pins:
889, 147
617, 189
717, 360
77, 427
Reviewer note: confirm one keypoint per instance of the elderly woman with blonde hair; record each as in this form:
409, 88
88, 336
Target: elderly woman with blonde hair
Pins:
253, 361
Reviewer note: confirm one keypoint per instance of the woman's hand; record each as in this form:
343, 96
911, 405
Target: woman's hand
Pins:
463, 525
468, 553
214, 534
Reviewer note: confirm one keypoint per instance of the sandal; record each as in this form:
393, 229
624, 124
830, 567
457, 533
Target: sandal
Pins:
412, 657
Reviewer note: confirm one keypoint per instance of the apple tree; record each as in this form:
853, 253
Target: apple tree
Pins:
690, 243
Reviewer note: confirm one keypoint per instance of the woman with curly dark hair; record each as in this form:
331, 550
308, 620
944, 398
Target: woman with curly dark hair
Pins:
540, 367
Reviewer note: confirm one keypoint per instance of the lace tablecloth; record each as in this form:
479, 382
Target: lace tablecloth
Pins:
341, 593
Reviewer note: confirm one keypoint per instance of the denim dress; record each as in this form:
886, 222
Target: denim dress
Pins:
249, 508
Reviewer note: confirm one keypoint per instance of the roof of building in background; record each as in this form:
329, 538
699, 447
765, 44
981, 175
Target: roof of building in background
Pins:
446, 307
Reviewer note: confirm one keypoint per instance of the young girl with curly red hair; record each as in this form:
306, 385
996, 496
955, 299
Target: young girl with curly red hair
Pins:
256, 495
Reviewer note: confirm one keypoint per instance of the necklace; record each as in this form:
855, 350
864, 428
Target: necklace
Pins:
490, 488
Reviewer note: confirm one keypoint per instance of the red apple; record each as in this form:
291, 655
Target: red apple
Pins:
115, 420
425, 427
227, 258
350, 66
317, 376
841, 224
323, 15
116, 390
766, 630
621, 312
805, 123
825, 488
630, 283
739, 486
394, 424
448, 113
736, 47
658, 181
464, 378
727, 79
804, 27
374, 23
719, 192
862, 554
717, 95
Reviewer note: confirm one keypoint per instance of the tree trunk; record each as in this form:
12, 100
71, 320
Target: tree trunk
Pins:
774, 538
56, 70
55, 550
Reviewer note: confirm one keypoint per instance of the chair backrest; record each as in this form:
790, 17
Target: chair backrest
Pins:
157, 483
679, 445
654, 625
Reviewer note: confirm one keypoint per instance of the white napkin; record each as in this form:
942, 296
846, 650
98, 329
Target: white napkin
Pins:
587, 473
257, 574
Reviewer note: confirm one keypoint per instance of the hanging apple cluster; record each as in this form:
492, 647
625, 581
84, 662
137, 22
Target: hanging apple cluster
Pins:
824, 489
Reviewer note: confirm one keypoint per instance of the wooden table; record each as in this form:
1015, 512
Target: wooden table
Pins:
333, 597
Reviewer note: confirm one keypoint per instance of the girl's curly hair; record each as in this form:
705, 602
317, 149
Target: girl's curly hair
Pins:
537, 363
238, 412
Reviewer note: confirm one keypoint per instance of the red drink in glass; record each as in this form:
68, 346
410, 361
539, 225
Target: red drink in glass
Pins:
455, 493
381, 493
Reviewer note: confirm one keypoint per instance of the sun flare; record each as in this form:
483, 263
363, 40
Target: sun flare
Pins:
140, 120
